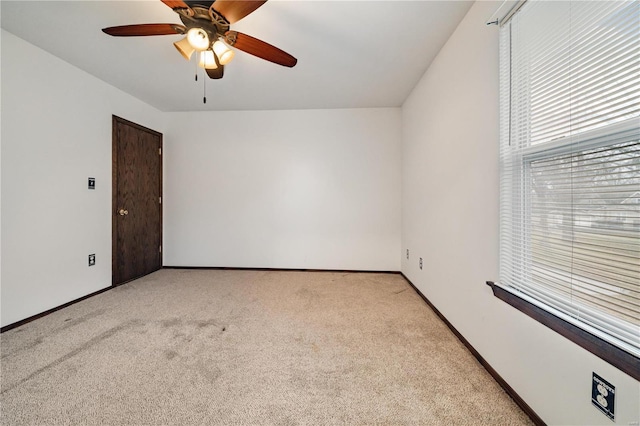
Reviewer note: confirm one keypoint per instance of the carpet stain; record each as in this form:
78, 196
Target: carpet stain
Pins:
26, 347
179, 335
173, 322
170, 354
82, 348
206, 323
71, 322
303, 292
67, 323
186, 331
211, 374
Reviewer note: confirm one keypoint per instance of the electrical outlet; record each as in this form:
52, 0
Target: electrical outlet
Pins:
407, 254
420, 263
92, 259
92, 183
603, 396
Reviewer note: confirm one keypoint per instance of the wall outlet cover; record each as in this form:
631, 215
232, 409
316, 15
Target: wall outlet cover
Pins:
92, 183
603, 395
92, 259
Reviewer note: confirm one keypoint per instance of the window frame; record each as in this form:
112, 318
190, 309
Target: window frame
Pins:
619, 358
563, 323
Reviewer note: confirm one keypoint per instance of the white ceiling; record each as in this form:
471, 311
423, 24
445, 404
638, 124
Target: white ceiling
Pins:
351, 54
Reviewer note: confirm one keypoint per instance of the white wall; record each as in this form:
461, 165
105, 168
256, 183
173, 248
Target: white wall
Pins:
283, 189
450, 218
56, 132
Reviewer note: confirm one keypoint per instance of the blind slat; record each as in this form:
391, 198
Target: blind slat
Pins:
570, 202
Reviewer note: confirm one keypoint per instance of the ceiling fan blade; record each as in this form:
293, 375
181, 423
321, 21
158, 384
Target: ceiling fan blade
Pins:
176, 4
259, 48
235, 10
144, 30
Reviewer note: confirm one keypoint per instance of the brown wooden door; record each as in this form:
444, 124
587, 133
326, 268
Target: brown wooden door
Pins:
137, 206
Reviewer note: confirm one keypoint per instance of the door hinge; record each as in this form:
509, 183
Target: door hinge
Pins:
159, 249
160, 200
159, 151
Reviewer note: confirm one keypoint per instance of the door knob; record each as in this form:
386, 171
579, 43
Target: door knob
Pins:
123, 212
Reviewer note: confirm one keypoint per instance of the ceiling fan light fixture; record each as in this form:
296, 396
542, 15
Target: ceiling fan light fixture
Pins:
185, 48
198, 39
207, 60
206, 30
225, 55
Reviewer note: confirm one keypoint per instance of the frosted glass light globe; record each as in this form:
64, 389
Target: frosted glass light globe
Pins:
198, 39
207, 61
225, 55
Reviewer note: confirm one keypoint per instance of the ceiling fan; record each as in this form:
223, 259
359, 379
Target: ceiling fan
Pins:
206, 30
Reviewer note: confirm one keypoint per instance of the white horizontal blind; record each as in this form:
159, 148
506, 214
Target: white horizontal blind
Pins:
570, 162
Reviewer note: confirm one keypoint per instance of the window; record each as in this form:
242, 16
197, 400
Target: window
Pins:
570, 165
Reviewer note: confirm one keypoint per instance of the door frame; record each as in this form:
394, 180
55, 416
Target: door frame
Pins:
115, 120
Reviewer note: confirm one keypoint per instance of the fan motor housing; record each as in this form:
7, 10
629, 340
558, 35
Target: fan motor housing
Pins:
207, 19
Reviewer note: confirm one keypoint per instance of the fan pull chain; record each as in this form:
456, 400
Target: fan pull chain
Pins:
196, 64
204, 90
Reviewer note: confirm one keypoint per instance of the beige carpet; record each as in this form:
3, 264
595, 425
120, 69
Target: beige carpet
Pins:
229, 347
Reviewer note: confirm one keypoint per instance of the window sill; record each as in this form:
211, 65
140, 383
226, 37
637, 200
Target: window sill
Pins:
615, 356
